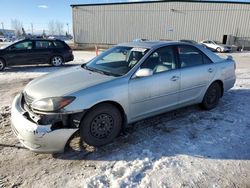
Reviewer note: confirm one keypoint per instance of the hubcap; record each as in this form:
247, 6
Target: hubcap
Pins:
102, 126
57, 61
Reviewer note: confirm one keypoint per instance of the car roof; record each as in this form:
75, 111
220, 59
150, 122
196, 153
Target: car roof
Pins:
157, 44
41, 39
151, 44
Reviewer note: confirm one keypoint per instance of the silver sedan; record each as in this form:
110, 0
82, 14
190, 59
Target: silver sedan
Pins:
127, 83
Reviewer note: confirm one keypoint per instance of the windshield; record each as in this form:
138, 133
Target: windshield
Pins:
116, 61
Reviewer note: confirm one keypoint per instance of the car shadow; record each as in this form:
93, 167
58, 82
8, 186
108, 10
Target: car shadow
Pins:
222, 133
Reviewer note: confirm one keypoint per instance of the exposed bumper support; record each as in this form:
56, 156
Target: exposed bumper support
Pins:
38, 138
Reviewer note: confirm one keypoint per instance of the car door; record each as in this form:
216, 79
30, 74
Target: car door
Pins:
20, 53
43, 50
196, 71
154, 94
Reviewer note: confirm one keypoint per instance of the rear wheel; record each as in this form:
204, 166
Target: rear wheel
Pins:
101, 125
2, 64
56, 61
218, 49
212, 96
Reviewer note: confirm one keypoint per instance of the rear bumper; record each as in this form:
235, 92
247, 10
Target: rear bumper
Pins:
69, 58
37, 138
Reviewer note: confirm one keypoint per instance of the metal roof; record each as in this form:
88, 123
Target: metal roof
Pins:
159, 1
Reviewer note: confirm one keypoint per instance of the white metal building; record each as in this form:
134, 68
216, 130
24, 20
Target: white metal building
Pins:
197, 20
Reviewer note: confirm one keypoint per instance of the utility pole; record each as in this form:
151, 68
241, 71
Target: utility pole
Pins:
2, 25
31, 28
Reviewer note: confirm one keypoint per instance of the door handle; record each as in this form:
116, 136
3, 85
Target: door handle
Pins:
174, 78
210, 70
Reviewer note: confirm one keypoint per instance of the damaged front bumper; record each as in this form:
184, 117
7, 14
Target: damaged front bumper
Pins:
36, 137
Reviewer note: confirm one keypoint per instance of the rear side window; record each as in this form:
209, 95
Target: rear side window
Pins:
190, 56
58, 44
43, 44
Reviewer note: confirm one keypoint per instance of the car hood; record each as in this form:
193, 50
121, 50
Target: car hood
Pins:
64, 82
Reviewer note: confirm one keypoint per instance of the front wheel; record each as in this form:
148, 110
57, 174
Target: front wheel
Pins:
212, 96
2, 64
56, 61
101, 125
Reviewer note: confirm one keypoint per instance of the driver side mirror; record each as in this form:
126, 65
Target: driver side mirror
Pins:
145, 72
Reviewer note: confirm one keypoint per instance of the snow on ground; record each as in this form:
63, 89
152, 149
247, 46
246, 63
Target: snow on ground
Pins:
184, 148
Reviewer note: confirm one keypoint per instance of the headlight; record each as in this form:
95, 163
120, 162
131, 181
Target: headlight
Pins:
51, 104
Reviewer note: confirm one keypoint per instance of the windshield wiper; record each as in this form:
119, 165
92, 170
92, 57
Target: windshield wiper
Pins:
110, 73
99, 71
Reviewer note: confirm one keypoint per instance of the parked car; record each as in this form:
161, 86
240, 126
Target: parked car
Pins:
3, 39
124, 84
35, 51
216, 46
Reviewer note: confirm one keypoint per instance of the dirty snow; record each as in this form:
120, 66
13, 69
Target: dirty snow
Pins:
184, 148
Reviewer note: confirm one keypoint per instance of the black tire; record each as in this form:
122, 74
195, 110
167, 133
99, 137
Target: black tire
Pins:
218, 50
56, 61
101, 125
212, 96
2, 64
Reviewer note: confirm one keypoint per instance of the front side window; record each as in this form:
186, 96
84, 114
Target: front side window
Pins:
161, 60
22, 45
190, 56
116, 61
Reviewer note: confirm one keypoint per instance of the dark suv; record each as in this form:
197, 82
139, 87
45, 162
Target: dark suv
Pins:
35, 51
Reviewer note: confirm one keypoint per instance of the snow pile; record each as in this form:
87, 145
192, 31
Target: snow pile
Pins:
123, 173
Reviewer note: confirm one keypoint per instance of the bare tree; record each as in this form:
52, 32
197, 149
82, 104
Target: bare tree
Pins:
17, 26
44, 34
56, 28
59, 28
52, 27
23, 32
